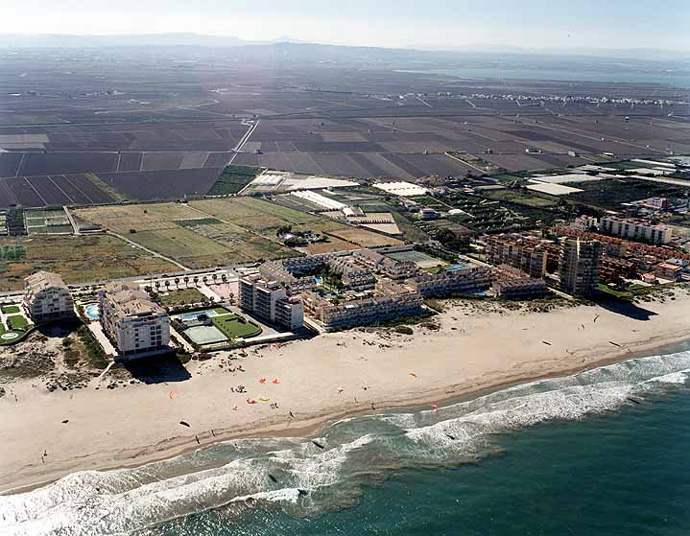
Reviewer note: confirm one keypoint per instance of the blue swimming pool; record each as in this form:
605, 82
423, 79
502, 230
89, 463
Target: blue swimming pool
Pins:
195, 315
92, 311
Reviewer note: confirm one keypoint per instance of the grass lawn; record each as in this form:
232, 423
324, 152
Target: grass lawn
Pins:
178, 298
235, 326
10, 309
17, 322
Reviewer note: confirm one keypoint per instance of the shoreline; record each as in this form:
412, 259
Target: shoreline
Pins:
558, 364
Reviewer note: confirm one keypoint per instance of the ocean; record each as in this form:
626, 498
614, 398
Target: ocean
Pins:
601, 452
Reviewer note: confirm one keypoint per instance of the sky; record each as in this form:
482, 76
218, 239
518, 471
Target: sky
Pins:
392, 23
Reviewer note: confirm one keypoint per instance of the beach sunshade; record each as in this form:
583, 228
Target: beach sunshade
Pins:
251, 401
172, 394
276, 381
262, 380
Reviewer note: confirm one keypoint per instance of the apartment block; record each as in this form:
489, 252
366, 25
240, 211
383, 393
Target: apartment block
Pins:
136, 326
390, 301
380, 264
47, 298
528, 254
636, 230
579, 266
269, 301
448, 283
514, 284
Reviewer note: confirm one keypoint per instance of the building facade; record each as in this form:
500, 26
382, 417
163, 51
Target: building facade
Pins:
528, 255
390, 301
269, 301
579, 267
514, 284
135, 325
446, 284
47, 298
636, 230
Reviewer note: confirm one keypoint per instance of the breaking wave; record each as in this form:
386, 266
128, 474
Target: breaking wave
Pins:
305, 476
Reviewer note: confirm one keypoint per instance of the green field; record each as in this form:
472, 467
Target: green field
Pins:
180, 232
610, 193
519, 197
10, 309
47, 221
235, 326
233, 179
76, 259
179, 298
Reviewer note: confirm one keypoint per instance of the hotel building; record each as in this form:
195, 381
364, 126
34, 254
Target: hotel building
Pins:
47, 298
136, 326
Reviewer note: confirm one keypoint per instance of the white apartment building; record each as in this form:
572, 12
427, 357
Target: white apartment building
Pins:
636, 229
47, 298
269, 301
137, 326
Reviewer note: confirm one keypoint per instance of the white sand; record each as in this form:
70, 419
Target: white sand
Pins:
321, 379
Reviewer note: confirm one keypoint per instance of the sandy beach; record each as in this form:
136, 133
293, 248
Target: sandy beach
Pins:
299, 386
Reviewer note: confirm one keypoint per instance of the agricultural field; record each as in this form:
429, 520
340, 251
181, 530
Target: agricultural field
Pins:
365, 239
49, 221
233, 180
76, 258
180, 232
520, 197
610, 193
265, 218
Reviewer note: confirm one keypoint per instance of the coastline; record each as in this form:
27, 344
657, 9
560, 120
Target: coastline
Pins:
532, 358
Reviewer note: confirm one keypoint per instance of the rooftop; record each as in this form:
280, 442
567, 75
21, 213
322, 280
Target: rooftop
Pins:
43, 280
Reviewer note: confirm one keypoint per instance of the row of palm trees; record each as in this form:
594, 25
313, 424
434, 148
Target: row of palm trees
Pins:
195, 279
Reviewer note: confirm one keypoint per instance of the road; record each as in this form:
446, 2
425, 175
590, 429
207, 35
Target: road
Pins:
243, 141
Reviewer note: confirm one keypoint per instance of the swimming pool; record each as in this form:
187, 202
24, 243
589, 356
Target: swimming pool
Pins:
195, 315
92, 311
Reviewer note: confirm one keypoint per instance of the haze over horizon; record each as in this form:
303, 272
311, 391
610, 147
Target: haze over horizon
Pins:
438, 24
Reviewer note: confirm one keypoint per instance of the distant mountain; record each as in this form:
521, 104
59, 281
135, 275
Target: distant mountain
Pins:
286, 47
96, 41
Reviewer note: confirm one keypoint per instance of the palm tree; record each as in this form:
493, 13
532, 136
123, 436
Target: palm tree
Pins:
224, 277
196, 280
177, 282
186, 281
215, 278
167, 284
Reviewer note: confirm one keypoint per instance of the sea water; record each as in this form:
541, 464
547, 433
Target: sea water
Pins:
601, 452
